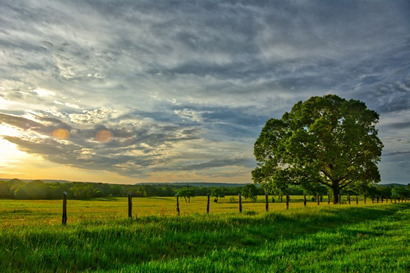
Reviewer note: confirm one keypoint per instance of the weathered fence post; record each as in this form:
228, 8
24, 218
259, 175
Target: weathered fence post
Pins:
207, 204
318, 200
287, 201
348, 198
64, 221
377, 199
240, 202
364, 198
328, 199
382, 199
129, 205
304, 200
178, 205
357, 200
267, 202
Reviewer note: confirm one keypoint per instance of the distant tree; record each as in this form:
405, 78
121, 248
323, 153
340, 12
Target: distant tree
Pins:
5, 190
36, 189
325, 140
187, 193
250, 191
384, 191
117, 190
314, 189
218, 193
373, 192
400, 192
56, 190
82, 190
138, 191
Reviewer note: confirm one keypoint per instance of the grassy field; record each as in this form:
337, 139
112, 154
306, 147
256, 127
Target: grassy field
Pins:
99, 237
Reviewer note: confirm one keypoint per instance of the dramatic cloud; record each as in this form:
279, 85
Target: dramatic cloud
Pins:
150, 89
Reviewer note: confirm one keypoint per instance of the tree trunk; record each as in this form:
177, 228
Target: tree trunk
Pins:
335, 195
267, 202
207, 204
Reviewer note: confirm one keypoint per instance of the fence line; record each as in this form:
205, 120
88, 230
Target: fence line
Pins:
319, 199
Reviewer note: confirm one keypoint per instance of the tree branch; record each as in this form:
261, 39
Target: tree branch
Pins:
345, 185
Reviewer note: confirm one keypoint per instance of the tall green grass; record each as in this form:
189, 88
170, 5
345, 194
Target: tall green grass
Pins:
312, 239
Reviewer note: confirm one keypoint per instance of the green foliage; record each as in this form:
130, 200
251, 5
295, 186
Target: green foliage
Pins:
217, 193
400, 192
18, 189
187, 193
325, 140
5, 190
250, 192
33, 190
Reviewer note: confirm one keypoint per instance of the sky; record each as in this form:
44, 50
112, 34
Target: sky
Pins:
178, 91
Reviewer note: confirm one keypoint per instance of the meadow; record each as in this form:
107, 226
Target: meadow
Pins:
99, 237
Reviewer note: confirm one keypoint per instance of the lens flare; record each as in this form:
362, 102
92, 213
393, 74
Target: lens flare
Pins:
61, 133
104, 136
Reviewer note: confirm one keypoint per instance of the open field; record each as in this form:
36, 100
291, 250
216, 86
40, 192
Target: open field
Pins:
17, 212
99, 237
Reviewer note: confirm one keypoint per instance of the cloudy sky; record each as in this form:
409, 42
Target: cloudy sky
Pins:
139, 91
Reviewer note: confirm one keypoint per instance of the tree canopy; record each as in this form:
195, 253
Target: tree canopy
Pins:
325, 140
250, 191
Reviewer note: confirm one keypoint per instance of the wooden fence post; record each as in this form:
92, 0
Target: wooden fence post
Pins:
207, 205
240, 202
64, 221
348, 198
357, 200
318, 200
304, 200
267, 202
328, 199
130, 205
287, 201
364, 198
178, 205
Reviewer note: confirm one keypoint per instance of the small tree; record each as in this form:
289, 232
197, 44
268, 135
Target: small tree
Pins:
400, 192
187, 193
250, 191
218, 192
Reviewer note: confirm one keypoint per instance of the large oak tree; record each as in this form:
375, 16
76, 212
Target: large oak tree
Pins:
325, 140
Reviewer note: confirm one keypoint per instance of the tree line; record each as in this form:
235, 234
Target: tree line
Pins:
37, 189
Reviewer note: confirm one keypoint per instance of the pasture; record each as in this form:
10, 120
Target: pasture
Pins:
99, 237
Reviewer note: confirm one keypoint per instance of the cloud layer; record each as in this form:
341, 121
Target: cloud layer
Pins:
185, 87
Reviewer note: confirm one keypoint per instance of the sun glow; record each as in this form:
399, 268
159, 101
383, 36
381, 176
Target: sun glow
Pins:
61, 133
9, 156
6, 130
